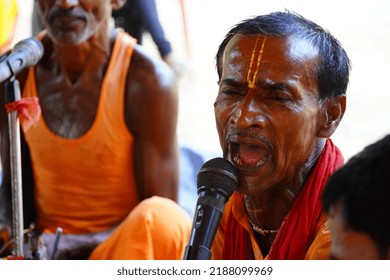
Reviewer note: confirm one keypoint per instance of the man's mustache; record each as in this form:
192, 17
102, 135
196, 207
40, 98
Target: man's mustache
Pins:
252, 133
73, 12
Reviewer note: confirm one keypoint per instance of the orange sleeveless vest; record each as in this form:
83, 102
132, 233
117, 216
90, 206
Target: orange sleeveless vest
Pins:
87, 184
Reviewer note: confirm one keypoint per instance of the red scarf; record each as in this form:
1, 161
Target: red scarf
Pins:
298, 228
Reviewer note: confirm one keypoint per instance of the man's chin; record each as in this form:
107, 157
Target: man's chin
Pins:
68, 38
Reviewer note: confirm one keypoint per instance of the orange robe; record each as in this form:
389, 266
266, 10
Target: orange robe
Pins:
87, 185
157, 229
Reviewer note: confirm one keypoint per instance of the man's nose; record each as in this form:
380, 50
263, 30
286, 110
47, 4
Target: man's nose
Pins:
249, 112
67, 4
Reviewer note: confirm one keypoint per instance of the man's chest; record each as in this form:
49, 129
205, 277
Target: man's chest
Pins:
69, 110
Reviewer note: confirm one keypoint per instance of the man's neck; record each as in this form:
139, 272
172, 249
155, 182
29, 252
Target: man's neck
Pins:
88, 58
269, 208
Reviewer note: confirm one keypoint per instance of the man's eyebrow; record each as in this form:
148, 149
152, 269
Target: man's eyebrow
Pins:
275, 85
260, 84
281, 86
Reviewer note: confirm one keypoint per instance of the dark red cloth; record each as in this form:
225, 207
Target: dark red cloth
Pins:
237, 242
298, 228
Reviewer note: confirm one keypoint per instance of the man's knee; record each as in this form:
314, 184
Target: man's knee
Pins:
163, 224
160, 210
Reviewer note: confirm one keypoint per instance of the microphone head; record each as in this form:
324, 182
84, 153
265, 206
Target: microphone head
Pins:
219, 174
29, 50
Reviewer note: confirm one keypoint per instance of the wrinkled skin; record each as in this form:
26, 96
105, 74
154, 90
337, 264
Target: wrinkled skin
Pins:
271, 124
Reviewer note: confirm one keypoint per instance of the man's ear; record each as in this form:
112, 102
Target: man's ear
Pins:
118, 4
332, 113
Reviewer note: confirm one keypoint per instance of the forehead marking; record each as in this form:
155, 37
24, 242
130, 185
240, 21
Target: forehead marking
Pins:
254, 68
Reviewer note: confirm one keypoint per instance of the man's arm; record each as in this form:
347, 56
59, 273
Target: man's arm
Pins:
151, 115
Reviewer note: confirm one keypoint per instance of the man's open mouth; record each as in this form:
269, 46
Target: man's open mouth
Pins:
248, 154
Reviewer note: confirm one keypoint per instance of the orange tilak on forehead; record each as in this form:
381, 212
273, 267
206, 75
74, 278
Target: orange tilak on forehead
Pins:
254, 65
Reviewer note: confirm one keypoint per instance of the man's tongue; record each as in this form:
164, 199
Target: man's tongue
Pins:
249, 155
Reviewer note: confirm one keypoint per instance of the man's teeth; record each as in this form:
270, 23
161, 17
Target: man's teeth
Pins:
237, 159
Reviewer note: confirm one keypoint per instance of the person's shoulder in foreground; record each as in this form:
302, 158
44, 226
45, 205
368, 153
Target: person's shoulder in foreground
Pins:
282, 94
357, 200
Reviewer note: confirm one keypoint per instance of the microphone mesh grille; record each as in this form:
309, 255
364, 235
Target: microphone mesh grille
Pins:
218, 173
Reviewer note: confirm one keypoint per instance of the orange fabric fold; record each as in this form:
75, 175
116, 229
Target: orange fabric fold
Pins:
298, 228
29, 111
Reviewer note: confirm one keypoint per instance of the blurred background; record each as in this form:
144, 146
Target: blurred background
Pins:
196, 27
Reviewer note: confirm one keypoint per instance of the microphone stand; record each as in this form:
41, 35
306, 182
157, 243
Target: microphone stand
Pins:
36, 248
12, 93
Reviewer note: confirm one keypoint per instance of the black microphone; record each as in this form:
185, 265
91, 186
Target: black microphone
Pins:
217, 180
25, 53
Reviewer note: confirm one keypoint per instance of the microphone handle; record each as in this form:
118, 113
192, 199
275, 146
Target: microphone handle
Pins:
207, 215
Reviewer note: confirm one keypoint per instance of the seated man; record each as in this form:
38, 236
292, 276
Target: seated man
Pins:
102, 161
282, 94
356, 197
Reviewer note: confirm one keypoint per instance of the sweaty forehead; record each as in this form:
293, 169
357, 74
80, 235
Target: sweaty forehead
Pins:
290, 47
249, 53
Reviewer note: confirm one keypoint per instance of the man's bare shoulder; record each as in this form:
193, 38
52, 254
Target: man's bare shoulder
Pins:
149, 72
151, 92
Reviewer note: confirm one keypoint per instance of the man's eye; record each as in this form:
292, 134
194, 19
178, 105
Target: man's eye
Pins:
281, 98
229, 91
